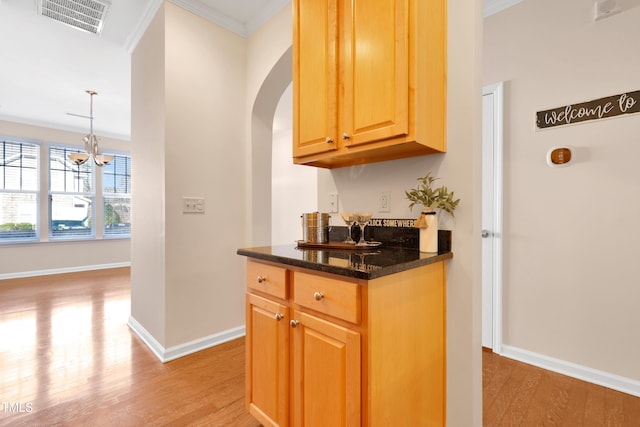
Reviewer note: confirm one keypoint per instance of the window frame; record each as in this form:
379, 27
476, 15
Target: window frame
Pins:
37, 192
105, 234
92, 195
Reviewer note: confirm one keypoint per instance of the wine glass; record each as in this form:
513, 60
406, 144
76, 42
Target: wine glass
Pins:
348, 218
362, 218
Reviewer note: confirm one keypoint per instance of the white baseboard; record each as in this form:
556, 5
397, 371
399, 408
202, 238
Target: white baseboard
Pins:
146, 338
605, 379
77, 269
175, 352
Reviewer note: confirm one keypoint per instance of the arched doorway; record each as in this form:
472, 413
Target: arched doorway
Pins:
276, 181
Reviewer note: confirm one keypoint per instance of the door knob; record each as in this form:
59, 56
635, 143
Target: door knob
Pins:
485, 234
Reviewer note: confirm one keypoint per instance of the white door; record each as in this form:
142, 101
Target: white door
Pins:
492, 217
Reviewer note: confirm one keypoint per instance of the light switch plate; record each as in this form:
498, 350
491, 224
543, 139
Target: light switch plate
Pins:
193, 205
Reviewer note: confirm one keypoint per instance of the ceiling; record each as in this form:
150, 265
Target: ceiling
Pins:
47, 66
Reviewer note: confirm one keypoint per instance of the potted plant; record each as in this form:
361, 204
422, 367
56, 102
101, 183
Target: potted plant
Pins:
431, 199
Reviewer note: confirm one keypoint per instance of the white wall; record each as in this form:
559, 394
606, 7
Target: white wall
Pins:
205, 128
269, 71
17, 260
148, 273
194, 134
570, 234
294, 188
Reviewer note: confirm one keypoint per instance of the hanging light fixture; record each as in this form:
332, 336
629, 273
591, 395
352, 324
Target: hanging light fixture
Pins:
90, 142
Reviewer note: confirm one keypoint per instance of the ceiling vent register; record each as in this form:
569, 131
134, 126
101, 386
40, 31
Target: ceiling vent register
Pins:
85, 15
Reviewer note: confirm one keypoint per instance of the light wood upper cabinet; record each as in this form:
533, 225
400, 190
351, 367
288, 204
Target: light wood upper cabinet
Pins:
369, 80
376, 71
315, 101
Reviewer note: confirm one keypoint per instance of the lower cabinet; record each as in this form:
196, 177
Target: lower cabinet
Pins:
326, 373
267, 361
326, 350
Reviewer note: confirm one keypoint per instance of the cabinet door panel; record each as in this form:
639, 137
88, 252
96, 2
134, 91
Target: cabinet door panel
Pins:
376, 76
315, 74
326, 373
267, 358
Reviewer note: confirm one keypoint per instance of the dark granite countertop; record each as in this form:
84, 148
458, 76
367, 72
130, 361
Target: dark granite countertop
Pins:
365, 264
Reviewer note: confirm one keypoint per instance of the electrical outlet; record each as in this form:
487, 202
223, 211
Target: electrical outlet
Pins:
333, 202
384, 201
192, 205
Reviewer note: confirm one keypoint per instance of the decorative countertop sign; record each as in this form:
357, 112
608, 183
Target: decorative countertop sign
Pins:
611, 106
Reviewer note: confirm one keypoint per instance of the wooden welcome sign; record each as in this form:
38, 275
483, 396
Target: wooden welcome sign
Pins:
611, 106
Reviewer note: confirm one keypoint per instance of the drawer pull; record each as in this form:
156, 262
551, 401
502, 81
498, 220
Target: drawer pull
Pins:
294, 323
279, 316
261, 279
318, 296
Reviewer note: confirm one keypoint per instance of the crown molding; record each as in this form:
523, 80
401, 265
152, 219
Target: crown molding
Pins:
133, 39
208, 13
67, 128
212, 15
494, 6
268, 12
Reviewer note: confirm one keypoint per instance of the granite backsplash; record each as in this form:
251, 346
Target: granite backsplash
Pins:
399, 233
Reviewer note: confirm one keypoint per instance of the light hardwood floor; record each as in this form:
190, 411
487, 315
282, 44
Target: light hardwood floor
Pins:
67, 357
517, 394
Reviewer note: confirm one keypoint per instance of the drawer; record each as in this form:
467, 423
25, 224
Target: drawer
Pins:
334, 297
269, 279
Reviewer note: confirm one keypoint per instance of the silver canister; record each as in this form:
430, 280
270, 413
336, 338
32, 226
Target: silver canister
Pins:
315, 227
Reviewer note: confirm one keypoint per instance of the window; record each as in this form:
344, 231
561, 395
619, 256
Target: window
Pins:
72, 208
71, 195
116, 196
19, 190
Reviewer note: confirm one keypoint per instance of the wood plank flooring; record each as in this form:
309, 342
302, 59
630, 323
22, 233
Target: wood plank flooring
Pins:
517, 394
68, 358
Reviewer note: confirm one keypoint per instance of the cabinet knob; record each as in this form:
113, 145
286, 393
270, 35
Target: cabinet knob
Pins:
261, 279
346, 136
329, 140
294, 323
318, 296
279, 316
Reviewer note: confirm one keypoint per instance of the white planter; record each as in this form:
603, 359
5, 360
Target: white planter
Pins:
429, 234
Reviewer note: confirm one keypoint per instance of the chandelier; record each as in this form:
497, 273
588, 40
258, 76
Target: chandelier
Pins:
90, 142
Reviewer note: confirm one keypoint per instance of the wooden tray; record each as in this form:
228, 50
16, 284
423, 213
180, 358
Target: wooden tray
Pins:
336, 245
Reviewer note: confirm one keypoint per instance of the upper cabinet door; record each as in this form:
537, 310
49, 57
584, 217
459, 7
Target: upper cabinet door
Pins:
369, 80
315, 76
375, 55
